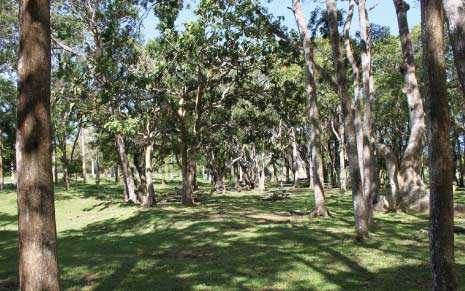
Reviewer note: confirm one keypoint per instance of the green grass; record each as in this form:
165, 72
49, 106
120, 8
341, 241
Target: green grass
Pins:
228, 242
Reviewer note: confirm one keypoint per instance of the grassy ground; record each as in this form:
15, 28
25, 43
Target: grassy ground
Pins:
234, 241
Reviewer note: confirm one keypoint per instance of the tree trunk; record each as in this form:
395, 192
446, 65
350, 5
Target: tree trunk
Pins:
149, 199
54, 164
356, 85
441, 228
360, 213
65, 162
127, 174
369, 163
187, 166
140, 172
97, 167
295, 164
83, 154
38, 263
2, 182
412, 189
116, 173
392, 170
262, 177
455, 14
342, 155
315, 140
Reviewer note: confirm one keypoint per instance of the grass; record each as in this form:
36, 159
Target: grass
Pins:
232, 241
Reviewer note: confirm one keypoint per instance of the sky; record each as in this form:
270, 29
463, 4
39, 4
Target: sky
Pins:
382, 13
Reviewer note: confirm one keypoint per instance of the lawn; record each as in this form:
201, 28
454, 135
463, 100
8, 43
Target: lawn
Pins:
232, 241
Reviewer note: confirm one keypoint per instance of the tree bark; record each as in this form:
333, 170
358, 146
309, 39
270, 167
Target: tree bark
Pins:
315, 140
127, 173
356, 85
441, 227
455, 14
65, 162
412, 189
149, 199
83, 154
97, 167
360, 213
369, 163
54, 164
392, 171
295, 164
2, 182
116, 173
187, 166
38, 263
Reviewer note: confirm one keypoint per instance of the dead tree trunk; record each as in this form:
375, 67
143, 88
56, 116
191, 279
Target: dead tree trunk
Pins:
360, 213
441, 228
315, 140
38, 264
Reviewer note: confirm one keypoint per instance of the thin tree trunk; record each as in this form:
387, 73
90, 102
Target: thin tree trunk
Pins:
356, 85
360, 213
441, 228
127, 173
116, 173
342, 155
149, 199
2, 182
65, 162
369, 168
54, 164
455, 14
97, 167
83, 154
341, 140
315, 140
295, 164
38, 263
412, 189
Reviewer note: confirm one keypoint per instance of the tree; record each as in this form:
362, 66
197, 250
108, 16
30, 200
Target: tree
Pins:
441, 227
411, 187
369, 162
455, 15
360, 212
38, 264
315, 141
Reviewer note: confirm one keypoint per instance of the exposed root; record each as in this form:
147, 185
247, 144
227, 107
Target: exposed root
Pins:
320, 212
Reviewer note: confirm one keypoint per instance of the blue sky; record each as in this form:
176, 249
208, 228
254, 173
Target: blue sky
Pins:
383, 13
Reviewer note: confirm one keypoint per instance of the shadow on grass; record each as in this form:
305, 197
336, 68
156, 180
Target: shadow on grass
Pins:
226, 245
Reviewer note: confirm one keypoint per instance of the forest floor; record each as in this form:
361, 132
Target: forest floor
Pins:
232, 241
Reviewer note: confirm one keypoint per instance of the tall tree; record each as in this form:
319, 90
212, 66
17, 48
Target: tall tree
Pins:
38, 264
455, 14
410, 182
360, 213
315, 140
369, 164
441, 228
